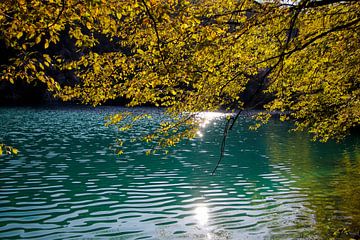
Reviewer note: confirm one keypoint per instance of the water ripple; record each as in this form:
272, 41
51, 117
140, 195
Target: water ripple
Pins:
67, 183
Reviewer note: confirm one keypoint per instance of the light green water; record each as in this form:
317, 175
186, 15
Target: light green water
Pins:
67, 183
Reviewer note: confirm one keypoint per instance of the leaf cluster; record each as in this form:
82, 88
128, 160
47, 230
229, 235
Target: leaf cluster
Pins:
192, 56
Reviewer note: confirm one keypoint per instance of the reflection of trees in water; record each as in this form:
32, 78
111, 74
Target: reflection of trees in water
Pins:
347, 187
335, 196
329, 174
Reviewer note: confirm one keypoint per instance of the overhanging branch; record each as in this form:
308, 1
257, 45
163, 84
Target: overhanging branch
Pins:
312, 40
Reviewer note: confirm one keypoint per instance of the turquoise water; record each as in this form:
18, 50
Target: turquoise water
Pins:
67, 182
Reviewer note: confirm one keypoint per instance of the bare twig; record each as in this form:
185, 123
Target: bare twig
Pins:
5, 14
223, 143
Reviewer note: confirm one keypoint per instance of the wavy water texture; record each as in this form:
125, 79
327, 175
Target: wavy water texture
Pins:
67, 183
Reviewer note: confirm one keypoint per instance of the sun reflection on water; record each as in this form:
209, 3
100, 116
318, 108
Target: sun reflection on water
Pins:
206, 118
202, 214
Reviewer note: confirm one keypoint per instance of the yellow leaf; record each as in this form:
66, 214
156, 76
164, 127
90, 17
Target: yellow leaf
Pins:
19, 35
118, 15
47, 57
140, 51
15, 151
38, 39
88, 25
57, 86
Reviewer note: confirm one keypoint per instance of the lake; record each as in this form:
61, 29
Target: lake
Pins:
68, 183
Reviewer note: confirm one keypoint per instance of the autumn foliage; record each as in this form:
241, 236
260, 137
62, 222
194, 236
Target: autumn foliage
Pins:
192, 56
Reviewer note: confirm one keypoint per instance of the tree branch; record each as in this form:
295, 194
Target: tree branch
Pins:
314, 4
156, 31
233, 79
59, 15
312, 40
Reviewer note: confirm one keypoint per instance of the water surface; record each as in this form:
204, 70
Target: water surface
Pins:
68, 183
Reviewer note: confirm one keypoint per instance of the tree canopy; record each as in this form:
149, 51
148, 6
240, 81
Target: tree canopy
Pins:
191, 56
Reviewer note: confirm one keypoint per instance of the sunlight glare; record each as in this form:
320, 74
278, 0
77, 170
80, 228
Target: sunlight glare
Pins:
201, 214
206, 118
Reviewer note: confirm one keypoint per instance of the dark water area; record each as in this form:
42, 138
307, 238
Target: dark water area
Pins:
68, 183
